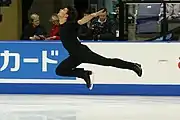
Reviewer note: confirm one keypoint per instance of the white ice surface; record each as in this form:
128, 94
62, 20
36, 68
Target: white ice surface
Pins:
45, 107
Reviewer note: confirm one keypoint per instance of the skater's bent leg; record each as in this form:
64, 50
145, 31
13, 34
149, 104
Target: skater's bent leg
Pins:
68, 68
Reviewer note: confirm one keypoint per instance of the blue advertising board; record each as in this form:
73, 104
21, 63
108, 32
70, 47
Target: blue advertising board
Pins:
31, 60
37, 61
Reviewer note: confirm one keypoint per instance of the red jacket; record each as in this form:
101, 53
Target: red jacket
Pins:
55, 31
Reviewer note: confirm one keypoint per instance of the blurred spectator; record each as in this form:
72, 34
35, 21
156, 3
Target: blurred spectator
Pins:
54, 33
116, 23
34, 31
172, 11
85, 32
102, 27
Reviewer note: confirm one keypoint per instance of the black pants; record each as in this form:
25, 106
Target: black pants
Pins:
68, 66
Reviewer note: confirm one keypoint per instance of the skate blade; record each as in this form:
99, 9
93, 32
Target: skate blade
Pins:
91, 87
92, 81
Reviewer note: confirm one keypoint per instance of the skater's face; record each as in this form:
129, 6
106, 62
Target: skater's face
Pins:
63, 13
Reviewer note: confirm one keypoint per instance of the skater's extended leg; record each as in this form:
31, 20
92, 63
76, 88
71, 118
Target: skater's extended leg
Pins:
94, 58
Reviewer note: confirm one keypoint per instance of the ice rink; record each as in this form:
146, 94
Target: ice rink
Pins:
45, 107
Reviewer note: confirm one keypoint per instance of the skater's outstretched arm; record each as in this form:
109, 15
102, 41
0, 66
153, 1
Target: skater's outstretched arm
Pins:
90, 17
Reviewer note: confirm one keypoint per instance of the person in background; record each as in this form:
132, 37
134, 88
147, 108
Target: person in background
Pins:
115, 28
85, 32
54, 33
34, 31
102, 27
172, 11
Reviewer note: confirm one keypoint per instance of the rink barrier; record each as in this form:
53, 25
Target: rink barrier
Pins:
99, 89
34, 73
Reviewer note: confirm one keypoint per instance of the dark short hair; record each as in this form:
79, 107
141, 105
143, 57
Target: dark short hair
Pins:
72, 14
105, 9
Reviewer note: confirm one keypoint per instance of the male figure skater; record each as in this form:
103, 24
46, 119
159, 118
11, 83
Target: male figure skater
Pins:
79, 53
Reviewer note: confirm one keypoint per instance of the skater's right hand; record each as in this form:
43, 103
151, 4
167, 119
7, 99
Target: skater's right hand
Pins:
101, 12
